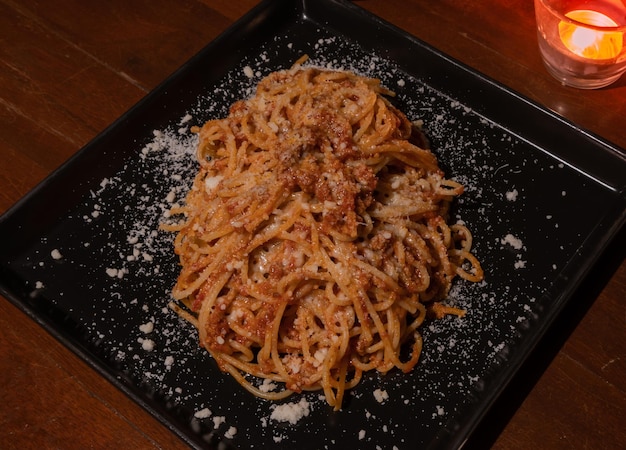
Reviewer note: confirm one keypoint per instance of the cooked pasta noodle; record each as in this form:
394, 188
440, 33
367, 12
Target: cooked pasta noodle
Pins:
313, 242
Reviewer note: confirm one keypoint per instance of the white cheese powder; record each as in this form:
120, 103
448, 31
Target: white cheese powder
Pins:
230, 433
291, 412
147, 345
146, 327
512, 195
512, 241
380, 395
203, 413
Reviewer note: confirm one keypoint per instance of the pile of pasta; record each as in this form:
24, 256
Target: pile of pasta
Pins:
314, 241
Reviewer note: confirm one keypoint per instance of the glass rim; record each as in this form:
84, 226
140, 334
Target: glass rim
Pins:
561, 16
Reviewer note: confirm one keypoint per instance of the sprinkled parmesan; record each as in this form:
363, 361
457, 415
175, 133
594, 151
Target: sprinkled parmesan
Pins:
56, 254
267, 385
211, 182
512, 241
291, 412
217, 421
146, 327
380, 395
147, 345
512, 195
203, 413
248, 71
230, 433
319, 356
293, 362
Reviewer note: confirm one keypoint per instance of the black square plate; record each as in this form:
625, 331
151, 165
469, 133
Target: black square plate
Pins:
85, 258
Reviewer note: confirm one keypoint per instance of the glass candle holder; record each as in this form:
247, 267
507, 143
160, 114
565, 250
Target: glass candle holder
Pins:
582, 42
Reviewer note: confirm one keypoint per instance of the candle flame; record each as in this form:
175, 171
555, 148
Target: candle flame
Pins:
587, 42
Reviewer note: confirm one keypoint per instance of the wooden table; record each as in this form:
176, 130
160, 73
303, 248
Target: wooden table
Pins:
69, 68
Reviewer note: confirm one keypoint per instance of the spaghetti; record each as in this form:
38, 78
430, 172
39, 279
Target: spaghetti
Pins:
314, 242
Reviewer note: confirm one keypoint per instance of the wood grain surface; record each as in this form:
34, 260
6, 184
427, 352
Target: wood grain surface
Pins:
69, 68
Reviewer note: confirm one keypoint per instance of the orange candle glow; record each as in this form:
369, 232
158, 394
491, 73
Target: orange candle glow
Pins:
587, 42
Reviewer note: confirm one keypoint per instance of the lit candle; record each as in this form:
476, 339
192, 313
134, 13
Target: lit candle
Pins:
589, 42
